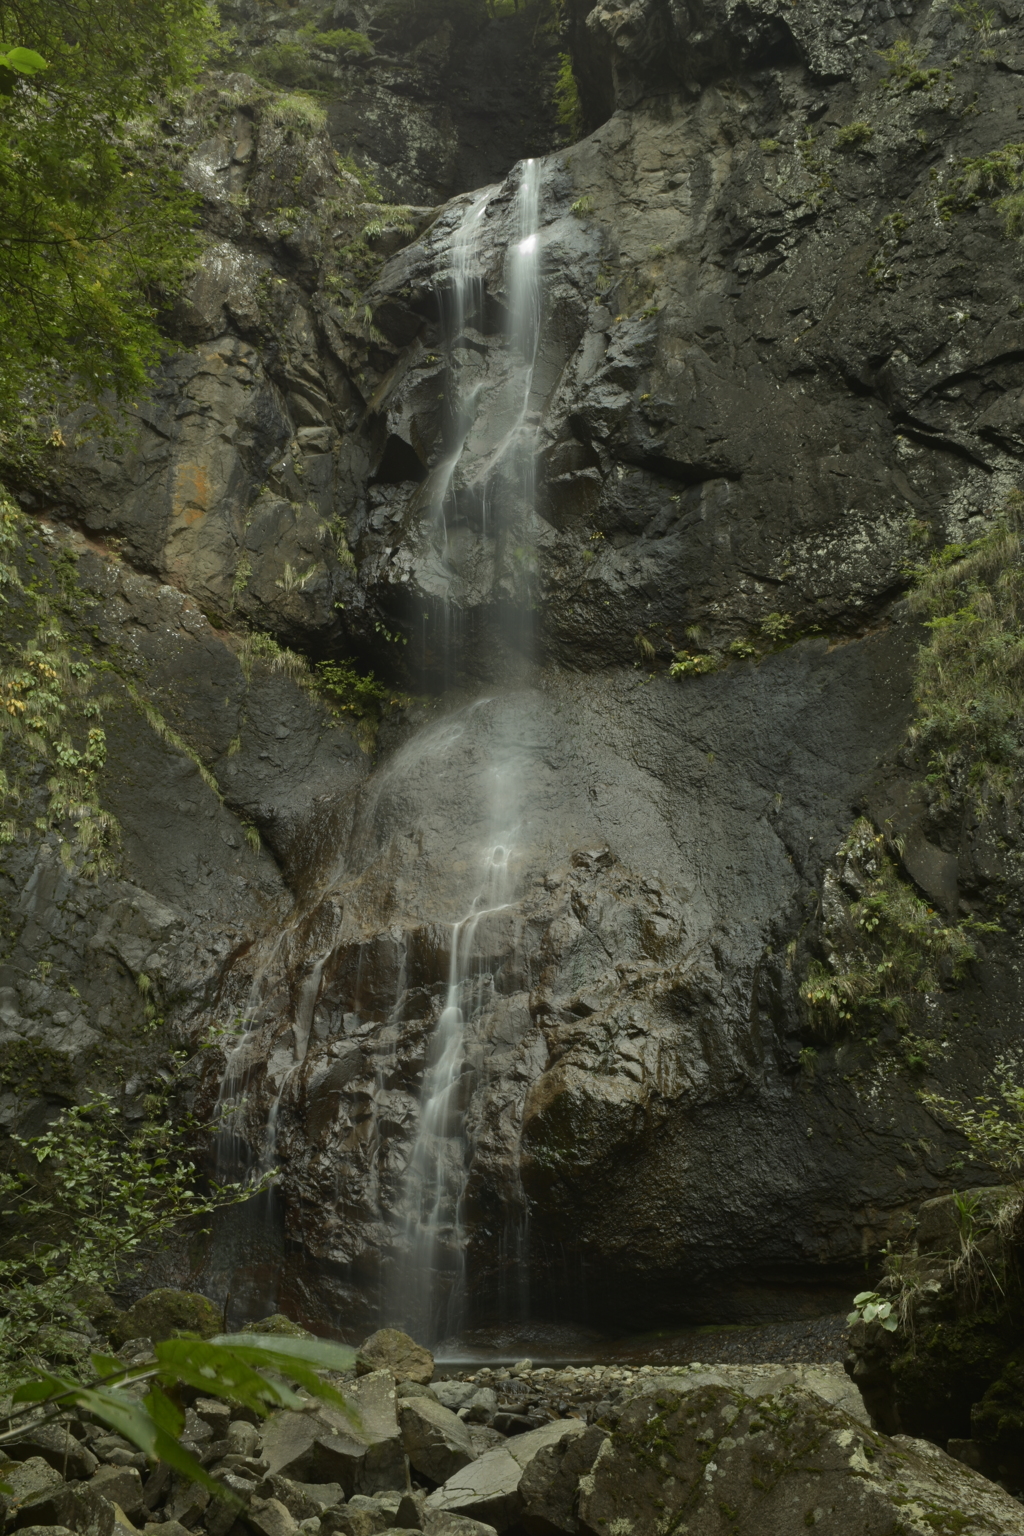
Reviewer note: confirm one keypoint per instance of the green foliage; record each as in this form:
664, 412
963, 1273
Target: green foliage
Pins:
95, 222
568, 109
854, 135
50, 712
971, 670
298, 111
95, 1191
390, 216
993, 1126
869, 1307
774, 630
769, 146
694, 663
343, 39
582, 206
978, 20
247, 1368
348, 690
904, 59
259, 646
885, 945
996, 178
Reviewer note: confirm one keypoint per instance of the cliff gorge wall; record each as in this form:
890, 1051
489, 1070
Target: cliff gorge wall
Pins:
781, 356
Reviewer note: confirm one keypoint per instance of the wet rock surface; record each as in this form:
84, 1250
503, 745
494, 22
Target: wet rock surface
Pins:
770, 374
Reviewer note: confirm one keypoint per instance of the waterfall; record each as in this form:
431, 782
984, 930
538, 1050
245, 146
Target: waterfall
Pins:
430, 1288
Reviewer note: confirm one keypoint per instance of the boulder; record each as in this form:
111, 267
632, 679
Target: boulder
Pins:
327, 1447
122, 1486
306, 1501
488, 1489
719, 1461
391, 1350
269, 1517
164, 1313
55, 1445
549, 1486
435, 1441
477, 1405
278, 1323
215, 1413
444, 1522
243, 1438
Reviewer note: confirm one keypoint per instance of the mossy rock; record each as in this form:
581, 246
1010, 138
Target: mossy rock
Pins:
997, 1423
165, 1313
948, 1366
278, 1323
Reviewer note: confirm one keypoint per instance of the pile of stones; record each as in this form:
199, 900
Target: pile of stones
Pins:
597, 1451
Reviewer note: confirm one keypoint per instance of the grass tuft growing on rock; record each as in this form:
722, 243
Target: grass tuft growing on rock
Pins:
970, 672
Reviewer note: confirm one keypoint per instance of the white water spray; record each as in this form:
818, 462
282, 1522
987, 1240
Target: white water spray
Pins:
430, 1289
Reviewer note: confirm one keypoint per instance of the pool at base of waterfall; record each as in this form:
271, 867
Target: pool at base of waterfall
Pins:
807, 1341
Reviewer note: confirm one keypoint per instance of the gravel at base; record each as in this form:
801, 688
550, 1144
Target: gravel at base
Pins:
818, 1341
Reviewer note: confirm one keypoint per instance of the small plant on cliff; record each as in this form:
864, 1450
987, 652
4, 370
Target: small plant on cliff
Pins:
50, 710
992, 1124
854, 135
904, 59
996, 178
885, 946
870, 1307
971, 671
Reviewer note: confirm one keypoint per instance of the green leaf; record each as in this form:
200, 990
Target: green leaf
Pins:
298, 1359
166, 1415
107, 1365
24, 60
220, 1373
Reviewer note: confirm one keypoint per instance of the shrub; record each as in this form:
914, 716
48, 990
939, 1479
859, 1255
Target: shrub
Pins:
854, 135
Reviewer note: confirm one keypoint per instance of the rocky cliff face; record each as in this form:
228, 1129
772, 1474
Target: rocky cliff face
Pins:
780, 356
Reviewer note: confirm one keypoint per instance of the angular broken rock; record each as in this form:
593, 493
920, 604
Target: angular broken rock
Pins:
549, 1485
713, 1460
121, 1485
436, 1442
391, 1350
442, 1522
306, 1501
477, 1405
268, 1517
65, 1454
488, 1489
326, 1447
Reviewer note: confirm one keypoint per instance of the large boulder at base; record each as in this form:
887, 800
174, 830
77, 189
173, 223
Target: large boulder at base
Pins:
164, 1313
389, 1349
488, 1489
436, 1442
326, 1447
549, 1486
719, 1463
